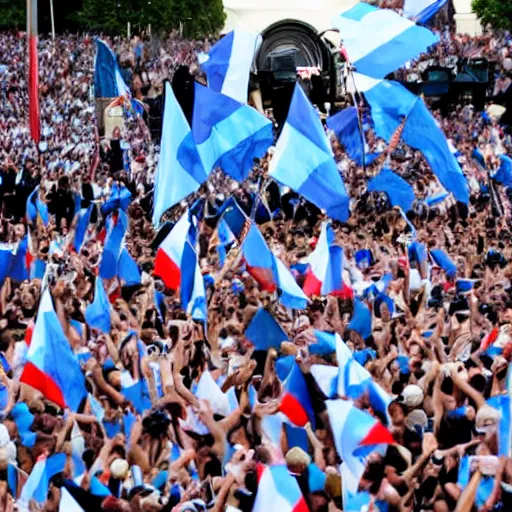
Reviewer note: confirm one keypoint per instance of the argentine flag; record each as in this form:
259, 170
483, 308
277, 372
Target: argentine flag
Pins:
228, 64
303, 160
379, 41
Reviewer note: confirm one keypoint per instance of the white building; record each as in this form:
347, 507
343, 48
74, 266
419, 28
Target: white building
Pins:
260, 14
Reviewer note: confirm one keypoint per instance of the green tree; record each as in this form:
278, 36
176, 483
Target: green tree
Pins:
198, 17
103, 16
12, 14
496, 12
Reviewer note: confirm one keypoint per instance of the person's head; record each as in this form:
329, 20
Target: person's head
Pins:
112, 504
486, 422
440, 505
373, 474
297, 460
416, 356
319, 501
119, 469
397, 412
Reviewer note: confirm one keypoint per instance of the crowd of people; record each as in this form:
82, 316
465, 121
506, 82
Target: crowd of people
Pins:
437, 344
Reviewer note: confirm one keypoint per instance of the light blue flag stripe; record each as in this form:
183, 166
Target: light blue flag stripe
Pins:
228, 134
97, 314
127, 269
113, 245
422, 132
108, 81
421, 11
228, 64
174, 182
504, 173
379, 41
193, 294
84, 217
390, 103
303, 159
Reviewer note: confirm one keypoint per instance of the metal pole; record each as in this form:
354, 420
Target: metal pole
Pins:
33, 71
29, 19
53, 19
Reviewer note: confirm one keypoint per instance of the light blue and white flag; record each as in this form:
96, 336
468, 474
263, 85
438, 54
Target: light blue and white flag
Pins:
304, 162
379, 41
390, 103
227, 134
174, 182
421, 11
228, 64
37, 484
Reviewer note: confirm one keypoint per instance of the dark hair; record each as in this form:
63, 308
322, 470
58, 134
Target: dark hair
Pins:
374, 473
156, 424
213, 467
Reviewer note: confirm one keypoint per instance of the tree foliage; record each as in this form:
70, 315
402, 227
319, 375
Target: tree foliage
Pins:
496, 12
12, 14
195, 17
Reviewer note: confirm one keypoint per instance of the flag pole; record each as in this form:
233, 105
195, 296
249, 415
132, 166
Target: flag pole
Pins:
33, 71
52, 19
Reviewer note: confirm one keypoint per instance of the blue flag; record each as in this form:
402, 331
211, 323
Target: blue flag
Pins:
264, 332
127, 269
421, 11
228, 63
6, 260
193, 293
84, 217
422, 132
345, 125
325, 344
228, 134
399, 192
97, 314
270, 272
113, 246
379, 41
19, 270
37, 485
504, 173
478, 156
120, 197
391, 103
304, 162
444, 261
36, 208
138, 395
108, 81
174, 181
361, 320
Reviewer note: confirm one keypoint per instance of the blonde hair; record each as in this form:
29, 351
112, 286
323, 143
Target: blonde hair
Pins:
297, 456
